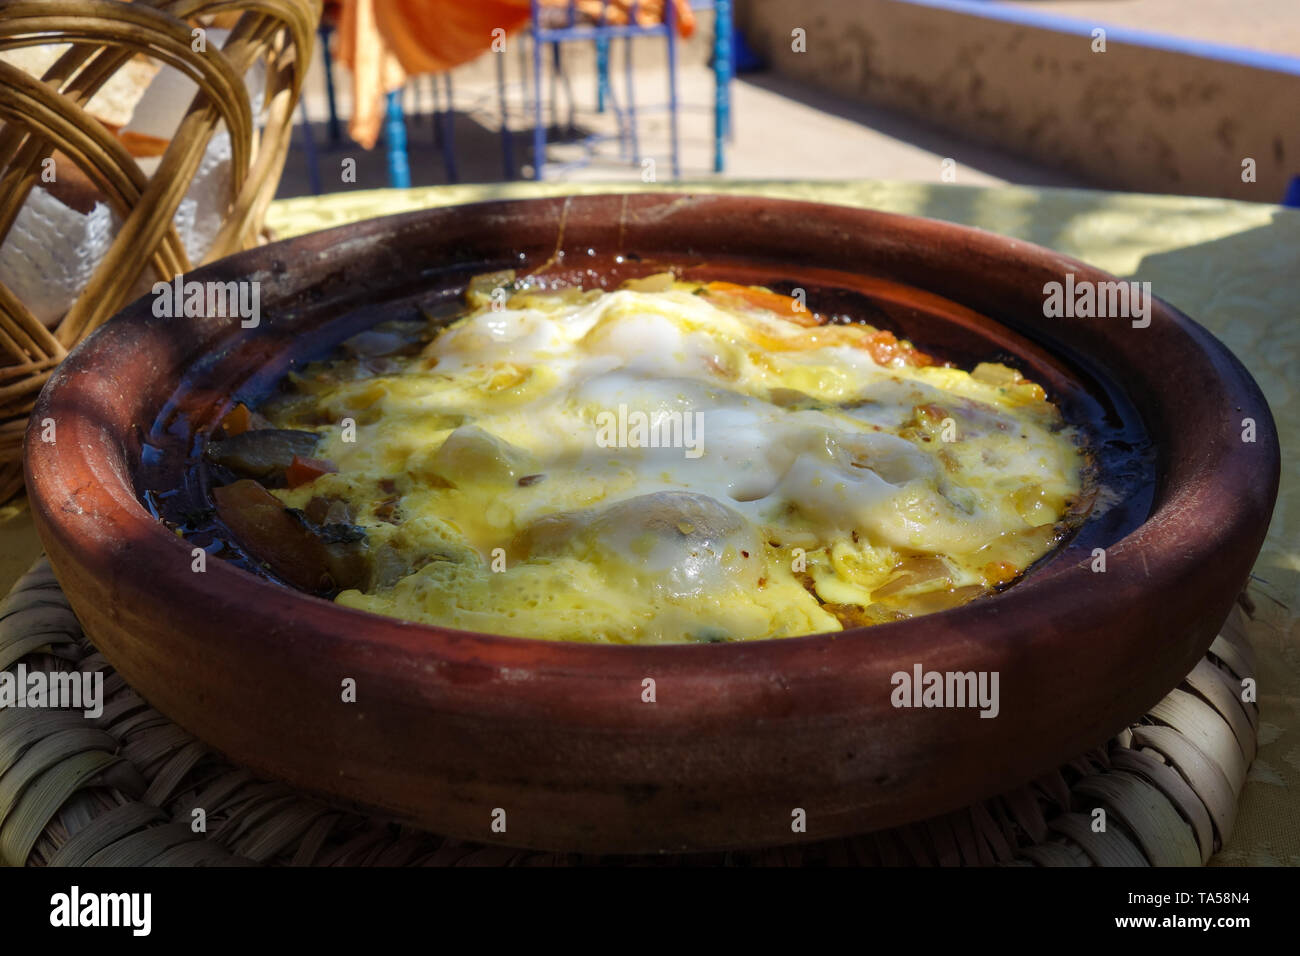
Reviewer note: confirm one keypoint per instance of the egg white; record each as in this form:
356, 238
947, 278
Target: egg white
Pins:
833, 474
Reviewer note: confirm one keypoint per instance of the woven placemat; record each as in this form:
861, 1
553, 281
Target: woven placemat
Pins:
122, 789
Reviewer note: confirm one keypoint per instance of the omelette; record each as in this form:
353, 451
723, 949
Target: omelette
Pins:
666, 462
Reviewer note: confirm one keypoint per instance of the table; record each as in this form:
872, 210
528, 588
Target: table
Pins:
1233, 266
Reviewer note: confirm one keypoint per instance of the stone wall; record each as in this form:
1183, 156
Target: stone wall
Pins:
1132, 117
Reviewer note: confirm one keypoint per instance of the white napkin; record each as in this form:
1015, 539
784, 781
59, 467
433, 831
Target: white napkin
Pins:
52, 251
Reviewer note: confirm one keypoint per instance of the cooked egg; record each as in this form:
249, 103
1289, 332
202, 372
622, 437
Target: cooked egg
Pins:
673, 462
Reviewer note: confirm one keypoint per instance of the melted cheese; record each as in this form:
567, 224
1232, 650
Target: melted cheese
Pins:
805, 485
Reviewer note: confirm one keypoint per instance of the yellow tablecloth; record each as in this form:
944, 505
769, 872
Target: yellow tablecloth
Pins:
1235, 267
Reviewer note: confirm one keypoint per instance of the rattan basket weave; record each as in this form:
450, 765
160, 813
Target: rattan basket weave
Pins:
122, 789
42, 116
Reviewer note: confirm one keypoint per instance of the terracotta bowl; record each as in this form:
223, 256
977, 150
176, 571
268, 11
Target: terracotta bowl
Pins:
449, 728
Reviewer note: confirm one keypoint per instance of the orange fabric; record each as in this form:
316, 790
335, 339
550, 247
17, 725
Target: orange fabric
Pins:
648, 12
375, 71
384, 41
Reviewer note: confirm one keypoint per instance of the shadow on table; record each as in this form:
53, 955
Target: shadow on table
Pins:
1241, 282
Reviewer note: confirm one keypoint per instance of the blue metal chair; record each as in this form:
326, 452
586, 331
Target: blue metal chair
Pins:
399, 163
309, 149
334, 132
602, 33
444, 133
1292, 196
327, 64
723, 73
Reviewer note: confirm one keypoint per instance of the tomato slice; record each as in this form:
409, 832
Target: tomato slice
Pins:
302, 471
783, 305
237, 421
886, 349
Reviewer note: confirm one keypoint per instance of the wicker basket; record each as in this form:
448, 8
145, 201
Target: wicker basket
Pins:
42, 116
121, 789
